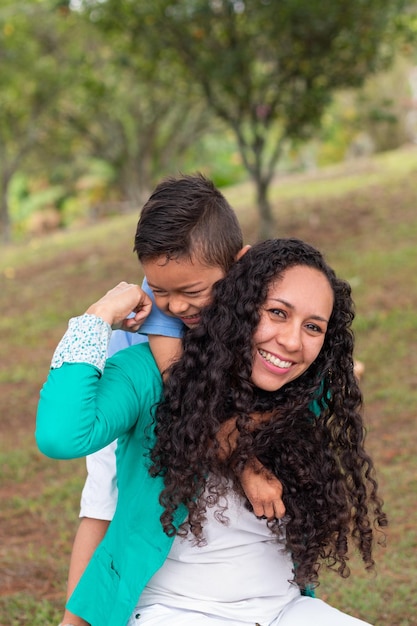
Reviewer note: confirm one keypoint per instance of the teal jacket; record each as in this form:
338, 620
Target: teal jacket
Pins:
81, 411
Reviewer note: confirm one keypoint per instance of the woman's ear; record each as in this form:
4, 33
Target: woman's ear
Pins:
242, 252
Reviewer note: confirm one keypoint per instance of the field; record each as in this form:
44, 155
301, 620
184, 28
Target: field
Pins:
363, 215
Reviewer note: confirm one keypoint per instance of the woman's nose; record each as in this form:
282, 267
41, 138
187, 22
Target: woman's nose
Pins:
290, 337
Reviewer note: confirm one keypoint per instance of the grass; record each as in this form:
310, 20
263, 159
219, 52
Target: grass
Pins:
363, 216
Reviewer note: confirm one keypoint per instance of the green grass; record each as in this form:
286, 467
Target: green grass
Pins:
364, 217
27, 609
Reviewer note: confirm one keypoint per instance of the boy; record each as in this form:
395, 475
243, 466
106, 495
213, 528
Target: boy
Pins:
187, 238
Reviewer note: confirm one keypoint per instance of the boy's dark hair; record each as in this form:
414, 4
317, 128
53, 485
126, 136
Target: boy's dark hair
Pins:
187, 217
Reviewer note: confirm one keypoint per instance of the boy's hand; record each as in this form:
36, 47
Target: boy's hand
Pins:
118, 303
263, 490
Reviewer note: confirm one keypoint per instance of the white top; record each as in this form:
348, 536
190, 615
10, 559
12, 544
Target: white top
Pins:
241, 572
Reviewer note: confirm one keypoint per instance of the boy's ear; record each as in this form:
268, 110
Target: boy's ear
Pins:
242, 252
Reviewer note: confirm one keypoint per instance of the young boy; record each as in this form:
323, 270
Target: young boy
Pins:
187, 238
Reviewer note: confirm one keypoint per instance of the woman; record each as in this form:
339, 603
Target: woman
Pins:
278, 327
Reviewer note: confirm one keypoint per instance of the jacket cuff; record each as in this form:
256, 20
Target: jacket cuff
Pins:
85, 341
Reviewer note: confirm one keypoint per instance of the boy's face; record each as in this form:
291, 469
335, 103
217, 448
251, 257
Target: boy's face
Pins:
182, 287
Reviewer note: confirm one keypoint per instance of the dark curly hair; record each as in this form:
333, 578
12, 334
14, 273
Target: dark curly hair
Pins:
312, 439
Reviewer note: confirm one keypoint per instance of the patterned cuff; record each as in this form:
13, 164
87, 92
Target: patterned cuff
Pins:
85, 341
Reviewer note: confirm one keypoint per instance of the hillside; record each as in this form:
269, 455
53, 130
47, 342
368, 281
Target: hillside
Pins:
363, 215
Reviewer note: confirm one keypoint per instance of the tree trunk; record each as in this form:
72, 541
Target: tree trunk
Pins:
267, 223
136, 181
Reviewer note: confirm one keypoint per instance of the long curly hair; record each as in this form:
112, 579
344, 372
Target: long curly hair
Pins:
312, 435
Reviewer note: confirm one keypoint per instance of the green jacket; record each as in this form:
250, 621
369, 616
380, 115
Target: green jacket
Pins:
81, 411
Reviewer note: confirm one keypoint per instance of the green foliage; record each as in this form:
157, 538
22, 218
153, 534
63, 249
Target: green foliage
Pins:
24, 201
137, 84
216, 155
133, 113
374, 118
39, 61
267, 69
72, 94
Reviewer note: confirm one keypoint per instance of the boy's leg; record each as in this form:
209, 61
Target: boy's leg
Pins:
98, 502
89, 534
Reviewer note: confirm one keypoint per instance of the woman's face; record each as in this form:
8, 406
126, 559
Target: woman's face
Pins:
292, 327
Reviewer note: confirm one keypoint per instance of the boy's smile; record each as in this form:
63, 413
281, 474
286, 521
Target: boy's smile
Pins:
182, 287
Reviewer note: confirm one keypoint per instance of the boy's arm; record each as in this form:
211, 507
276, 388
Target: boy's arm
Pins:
165, 350
262, 488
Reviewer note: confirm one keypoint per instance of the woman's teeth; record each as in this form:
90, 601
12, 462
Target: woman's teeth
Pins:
274, 360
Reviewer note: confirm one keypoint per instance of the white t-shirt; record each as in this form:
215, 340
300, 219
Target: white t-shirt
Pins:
241, 572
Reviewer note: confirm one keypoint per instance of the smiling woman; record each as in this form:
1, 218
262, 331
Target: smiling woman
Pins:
277, 337
266, 379
292, 326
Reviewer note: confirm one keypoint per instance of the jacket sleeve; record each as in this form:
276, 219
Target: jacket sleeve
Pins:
81, 410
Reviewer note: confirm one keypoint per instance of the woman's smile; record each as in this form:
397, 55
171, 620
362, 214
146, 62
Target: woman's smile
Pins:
275, 360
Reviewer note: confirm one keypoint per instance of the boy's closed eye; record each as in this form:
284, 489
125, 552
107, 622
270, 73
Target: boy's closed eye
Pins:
193, 293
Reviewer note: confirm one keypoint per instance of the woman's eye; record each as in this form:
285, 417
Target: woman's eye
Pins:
314, 328
277, 312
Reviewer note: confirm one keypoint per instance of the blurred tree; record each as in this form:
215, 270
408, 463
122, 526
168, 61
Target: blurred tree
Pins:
135, 113
266, 68
382, 104
372, 118
69, 93
37, 66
